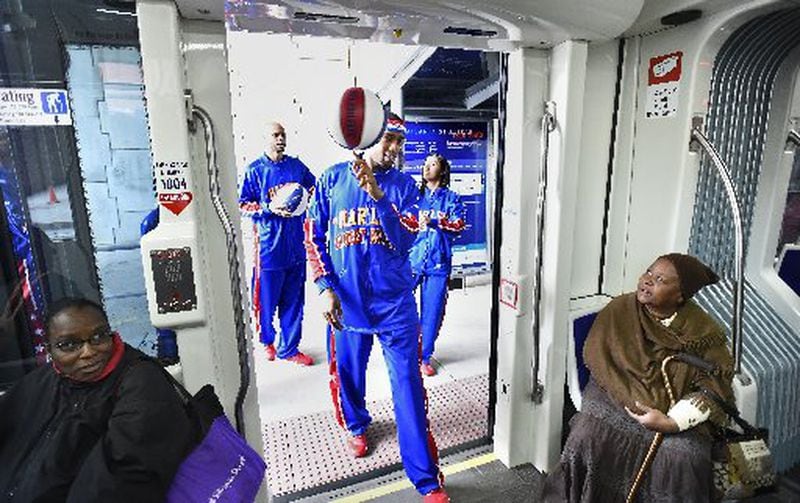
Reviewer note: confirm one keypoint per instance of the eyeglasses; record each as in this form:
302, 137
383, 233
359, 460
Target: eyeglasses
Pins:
99, 338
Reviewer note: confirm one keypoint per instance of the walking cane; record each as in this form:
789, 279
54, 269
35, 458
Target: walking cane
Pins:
651, 452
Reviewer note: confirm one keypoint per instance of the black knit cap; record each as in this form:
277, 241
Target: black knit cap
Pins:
692, 273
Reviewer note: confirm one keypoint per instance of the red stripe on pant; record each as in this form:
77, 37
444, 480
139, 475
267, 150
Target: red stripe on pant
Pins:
257, 281
432, 447
334, 379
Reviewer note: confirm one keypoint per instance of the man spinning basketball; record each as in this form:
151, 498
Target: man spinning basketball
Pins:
360, 228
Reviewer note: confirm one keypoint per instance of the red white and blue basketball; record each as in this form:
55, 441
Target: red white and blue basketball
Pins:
291, 198
359, 120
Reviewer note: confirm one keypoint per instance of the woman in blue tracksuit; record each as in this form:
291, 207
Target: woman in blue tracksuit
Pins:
441, 217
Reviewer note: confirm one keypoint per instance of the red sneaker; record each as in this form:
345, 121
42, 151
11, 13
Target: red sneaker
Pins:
437, 496
270, 352
301, 359
428, 369
358, 445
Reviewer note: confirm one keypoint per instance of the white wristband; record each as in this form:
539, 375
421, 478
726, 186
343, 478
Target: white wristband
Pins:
687, 415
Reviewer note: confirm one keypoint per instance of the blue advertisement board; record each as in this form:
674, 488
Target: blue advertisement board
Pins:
466, 146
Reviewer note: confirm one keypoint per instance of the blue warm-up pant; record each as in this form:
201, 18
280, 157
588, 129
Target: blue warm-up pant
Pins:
284, 290
348, 354
432, 300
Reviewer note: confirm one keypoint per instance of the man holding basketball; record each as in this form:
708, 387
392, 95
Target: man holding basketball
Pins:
360, 227
272, 188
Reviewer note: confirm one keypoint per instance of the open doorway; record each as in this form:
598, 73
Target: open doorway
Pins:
448, 99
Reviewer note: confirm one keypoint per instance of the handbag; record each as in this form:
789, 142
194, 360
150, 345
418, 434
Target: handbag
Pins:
742, 461
222, 468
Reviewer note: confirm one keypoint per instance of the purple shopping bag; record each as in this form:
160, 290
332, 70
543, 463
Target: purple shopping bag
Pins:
222, 469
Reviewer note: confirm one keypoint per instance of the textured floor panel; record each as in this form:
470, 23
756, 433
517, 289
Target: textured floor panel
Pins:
310, 451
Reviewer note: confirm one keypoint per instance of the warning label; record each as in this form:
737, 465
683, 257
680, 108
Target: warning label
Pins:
666, 68
509, 293
172, 185
663, 85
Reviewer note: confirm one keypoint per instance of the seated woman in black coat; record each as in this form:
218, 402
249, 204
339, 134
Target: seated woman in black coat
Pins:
93, 426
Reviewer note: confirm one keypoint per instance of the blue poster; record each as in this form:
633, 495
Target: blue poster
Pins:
466, 146
30, 288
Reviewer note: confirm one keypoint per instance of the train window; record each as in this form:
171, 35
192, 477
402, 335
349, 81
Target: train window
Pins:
107, 98
787, 261
74, 171
790, 225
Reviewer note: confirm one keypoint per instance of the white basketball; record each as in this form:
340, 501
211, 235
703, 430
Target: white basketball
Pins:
358, 119
291, 198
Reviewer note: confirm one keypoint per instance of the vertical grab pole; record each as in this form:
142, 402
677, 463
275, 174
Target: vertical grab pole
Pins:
548, 126
736, 210
497, 239
233, 262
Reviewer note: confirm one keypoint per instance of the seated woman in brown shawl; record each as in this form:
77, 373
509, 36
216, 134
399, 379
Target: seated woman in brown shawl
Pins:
626, 402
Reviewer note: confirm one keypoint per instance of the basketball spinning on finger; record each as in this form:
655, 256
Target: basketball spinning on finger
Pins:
359, 120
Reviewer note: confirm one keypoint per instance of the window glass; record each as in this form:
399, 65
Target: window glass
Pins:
55, 230
790, 227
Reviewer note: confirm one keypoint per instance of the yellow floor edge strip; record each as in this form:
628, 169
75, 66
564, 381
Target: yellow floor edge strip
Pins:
394, 487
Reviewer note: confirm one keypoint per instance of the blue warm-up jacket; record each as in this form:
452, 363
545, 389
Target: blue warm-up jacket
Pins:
432, 253
280, 238
359, 247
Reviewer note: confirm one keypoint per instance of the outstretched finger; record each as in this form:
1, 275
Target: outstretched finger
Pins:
358, 166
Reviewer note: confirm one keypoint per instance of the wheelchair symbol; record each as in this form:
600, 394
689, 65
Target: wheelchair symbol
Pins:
54, 103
